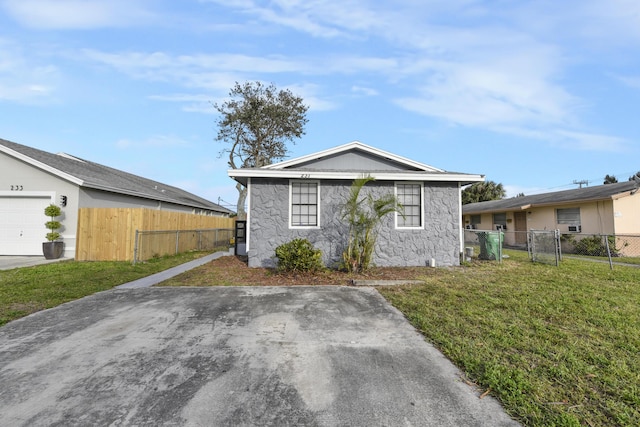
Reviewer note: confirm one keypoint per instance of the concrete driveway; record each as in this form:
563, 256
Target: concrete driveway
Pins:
8, 262
277, 356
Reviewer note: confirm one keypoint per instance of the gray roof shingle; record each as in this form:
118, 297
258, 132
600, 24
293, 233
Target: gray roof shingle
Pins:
600, 192
100, 177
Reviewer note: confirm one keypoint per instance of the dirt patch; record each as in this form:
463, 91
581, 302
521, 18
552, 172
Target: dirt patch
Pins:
233, 271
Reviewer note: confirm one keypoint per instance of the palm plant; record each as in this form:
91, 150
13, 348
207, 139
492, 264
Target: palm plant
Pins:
364, 215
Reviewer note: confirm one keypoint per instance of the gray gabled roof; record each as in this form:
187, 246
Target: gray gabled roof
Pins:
578, 195
96, 176
306, 167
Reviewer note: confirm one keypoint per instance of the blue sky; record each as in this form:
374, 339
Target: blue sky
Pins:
534, 95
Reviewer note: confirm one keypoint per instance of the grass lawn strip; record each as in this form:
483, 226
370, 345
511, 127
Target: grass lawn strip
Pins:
557, 346
26, 290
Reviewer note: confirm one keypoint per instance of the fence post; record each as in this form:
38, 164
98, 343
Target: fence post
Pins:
135, 248
606, 239
556, 243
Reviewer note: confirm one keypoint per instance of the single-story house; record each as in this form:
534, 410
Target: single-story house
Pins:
303, 197
32, 179
611, 209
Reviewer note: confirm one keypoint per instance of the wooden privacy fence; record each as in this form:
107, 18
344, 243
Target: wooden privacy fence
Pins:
108, 234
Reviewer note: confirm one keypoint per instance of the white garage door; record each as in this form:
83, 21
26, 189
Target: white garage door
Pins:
22, 228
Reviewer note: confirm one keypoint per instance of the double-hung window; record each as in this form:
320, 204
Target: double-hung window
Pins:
500, 220
409, 195
304, 203
568, 216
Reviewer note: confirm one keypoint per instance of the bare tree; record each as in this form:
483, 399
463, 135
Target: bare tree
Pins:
257, 121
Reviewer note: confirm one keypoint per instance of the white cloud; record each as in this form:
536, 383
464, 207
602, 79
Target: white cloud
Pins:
494, 93
214, 73
199, 70
76, 14
613, 21
366, 91
316, 18
631, 81
591, 141
23, 79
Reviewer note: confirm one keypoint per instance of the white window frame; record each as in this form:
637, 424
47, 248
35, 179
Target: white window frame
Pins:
318, 204
398, 216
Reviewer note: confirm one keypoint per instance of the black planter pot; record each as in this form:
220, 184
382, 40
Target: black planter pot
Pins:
52, 250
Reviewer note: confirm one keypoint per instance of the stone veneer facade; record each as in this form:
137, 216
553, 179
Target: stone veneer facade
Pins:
438, 240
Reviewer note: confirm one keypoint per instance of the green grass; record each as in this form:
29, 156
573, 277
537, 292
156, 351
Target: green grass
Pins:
558, 346
26, 290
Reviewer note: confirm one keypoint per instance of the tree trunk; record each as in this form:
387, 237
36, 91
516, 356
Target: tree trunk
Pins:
242, 197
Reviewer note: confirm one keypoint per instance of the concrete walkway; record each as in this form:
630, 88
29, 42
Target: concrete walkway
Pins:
154, 279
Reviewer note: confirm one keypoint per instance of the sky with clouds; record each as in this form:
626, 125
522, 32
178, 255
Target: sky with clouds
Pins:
534, 95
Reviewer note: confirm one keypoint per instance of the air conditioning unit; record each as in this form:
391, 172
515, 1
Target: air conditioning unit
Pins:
575, 228
500, 227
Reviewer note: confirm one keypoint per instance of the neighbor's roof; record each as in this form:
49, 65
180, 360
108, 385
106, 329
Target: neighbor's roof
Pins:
579, 195
414, 171
96, 176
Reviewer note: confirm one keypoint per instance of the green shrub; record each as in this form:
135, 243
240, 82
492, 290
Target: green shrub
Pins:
299, 255
53, 211
595, 246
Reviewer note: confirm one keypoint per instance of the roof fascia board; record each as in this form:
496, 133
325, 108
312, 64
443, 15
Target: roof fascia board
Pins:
539, 205
350, 146
621, 195
383, 176
509, 209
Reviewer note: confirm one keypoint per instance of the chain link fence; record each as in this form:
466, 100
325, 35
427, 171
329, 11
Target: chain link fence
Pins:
541, 246
154, 244
544, 246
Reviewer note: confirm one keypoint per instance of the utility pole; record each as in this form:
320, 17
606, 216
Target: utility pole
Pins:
581, 182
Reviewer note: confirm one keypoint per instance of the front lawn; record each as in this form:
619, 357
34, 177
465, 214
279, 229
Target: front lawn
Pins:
26, 290
556, 345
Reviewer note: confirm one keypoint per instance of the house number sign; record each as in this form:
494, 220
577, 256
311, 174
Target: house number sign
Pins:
16, 188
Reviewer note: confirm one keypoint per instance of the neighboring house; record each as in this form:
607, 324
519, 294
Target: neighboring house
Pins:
604, 209
303, 197
32, 179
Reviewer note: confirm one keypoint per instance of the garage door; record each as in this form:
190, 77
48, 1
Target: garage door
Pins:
22, 229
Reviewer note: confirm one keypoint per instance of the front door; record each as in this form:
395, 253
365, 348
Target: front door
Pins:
520, 220
240, 236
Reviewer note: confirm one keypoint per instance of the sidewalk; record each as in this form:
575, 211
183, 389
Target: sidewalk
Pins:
149, 281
